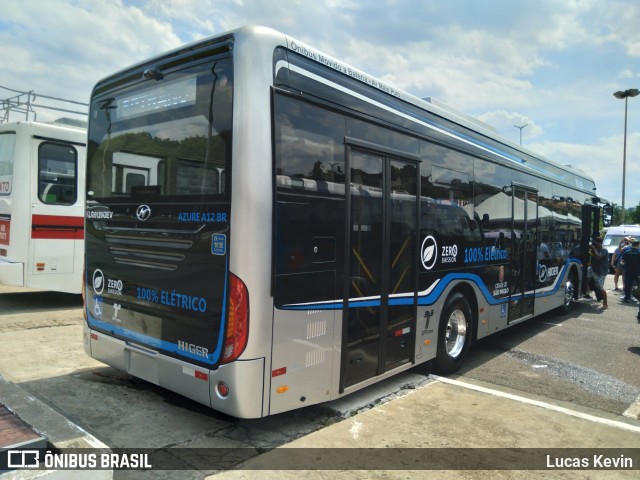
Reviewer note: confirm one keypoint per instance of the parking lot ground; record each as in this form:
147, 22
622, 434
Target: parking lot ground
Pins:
450, 429
46, 378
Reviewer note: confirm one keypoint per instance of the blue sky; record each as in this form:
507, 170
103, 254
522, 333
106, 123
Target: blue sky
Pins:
551, 64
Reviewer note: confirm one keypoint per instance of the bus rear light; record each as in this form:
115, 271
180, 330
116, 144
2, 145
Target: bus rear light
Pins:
237, 320
3, 252
94, 336
223, 389
40, 266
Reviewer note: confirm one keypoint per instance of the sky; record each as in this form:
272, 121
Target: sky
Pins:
552, 65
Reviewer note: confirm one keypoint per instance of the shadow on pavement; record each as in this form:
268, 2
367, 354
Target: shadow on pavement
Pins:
28, 302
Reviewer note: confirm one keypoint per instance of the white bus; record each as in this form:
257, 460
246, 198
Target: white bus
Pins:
42, 208
299, 229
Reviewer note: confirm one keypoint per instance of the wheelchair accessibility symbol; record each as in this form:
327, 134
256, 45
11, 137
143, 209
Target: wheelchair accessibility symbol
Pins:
97, 308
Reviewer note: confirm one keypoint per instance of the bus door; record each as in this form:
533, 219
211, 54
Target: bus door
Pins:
380, 308
57, 227
590, 230
523, 253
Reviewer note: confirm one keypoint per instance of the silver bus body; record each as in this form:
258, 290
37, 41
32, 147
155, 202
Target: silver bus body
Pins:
303, 348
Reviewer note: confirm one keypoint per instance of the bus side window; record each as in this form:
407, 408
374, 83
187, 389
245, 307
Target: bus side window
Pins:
57, 174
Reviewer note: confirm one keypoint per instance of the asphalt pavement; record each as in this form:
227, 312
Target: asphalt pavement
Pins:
442, 428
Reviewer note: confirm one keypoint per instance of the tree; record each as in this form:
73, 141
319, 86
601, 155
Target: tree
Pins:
633, 216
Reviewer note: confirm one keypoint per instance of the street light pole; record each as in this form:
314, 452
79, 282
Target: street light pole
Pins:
521, 127
632, 92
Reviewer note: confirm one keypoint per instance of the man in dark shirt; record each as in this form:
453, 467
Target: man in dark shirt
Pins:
631, 264
599, 268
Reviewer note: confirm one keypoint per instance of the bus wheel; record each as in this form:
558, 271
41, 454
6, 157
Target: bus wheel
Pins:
454, 335
569, 294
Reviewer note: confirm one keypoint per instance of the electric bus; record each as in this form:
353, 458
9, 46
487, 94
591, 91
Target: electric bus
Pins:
42, 205
268, 227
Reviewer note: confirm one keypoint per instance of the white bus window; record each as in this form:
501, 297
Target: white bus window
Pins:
129, 171
57, 174
7, 151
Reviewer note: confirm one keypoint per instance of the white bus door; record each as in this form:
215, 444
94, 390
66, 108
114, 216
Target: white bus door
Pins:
380, 308
57, 216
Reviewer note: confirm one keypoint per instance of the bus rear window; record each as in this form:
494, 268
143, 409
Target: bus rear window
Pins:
169, 137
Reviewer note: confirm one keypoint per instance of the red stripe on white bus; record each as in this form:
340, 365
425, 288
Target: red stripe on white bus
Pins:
57, 221
57, 227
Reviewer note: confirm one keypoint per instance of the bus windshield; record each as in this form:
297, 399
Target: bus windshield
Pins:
168, 137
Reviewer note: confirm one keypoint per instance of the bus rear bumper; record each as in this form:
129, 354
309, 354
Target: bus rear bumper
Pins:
12, 273
244, 379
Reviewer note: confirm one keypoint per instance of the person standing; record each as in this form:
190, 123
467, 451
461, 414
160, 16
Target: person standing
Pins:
630, 261
615, 262
599, 268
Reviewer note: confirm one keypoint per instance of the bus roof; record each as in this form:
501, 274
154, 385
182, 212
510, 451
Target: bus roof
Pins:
266, 34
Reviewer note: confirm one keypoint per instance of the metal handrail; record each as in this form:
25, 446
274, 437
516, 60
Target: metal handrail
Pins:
23, 103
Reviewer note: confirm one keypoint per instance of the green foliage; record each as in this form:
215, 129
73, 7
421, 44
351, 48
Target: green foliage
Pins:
633, 216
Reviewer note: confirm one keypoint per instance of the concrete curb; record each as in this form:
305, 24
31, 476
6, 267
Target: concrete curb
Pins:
60, 431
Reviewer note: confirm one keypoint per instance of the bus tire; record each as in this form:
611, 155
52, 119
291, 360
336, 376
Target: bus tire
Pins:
454, 335
570, 292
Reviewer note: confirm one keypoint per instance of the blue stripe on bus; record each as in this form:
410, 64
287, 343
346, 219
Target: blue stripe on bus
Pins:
432, 297
145, 340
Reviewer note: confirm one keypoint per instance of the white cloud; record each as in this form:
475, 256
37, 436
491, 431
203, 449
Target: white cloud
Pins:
463, 76
603, 161
617, 21
505, 123
62, 49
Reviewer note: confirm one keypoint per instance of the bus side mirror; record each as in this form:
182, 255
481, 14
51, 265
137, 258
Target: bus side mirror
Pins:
607, 215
